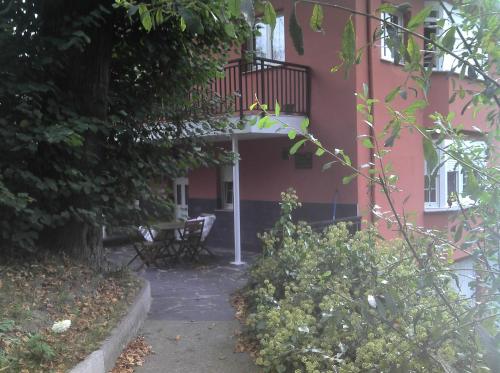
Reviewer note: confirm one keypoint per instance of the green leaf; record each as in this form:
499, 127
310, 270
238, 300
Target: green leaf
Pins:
277, 109
234, 7
396, 129
297, 146
252, 107
292, 134
431, 155
346, 158
82, 35
387, 8
159, 17
320, 152
348, 179
270, 15
367, 143
419, 18
448, 39
414, 106
316, 21
423, 83
304, 125
146, 20
229, 29
413, 51
296, 33
348, 48
392, 179
132, 10
392, 94
266, 122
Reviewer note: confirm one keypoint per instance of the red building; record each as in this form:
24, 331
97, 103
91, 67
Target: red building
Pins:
305, 87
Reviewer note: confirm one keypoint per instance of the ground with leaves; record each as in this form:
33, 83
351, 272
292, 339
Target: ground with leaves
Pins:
132, 356
33, 296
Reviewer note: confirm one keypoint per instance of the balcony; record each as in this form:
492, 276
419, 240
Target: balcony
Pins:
270, 80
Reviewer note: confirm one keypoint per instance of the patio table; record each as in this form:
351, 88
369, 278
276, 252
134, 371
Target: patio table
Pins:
167, 237
175, 225
162, 246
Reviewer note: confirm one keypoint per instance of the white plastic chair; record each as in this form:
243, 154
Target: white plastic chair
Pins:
207, 227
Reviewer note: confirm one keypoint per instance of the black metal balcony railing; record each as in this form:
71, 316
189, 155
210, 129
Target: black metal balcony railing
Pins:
270, 80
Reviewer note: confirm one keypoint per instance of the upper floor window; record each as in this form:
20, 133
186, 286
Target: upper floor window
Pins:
444, 185
432, 31
436, 25
270, 44
391, 36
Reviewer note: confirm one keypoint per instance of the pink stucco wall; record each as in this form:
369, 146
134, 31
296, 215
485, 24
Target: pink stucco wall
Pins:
203, 183
444, 85
406, 155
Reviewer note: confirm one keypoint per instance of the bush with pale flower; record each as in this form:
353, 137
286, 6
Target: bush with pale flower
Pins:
61, 326
332, 302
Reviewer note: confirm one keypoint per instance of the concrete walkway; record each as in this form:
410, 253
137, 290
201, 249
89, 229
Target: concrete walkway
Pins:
191, 324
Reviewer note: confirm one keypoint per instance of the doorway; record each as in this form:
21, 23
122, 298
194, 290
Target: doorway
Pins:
181, 193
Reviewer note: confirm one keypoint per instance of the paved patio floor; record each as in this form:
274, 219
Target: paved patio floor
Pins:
191, 324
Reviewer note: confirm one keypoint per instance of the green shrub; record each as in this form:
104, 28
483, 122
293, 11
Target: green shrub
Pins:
38, 350
333, 302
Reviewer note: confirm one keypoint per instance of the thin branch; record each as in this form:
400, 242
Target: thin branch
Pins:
403, 230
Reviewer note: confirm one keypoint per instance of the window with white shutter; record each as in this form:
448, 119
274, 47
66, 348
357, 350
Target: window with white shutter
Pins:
442, 187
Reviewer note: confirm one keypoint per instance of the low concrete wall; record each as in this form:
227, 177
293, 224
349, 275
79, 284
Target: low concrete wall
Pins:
103, 360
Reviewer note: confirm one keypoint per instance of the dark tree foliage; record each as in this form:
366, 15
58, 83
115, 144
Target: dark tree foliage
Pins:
93, 108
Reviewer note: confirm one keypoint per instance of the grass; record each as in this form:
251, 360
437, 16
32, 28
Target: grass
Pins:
35, 295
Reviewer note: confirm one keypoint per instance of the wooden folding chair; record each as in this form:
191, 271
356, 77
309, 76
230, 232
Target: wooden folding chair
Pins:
190, 240
148, 251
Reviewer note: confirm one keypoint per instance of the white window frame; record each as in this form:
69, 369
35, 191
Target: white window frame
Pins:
386, 53
226, 183
445, 62
269, 40
431, 22
436, 179
446, 164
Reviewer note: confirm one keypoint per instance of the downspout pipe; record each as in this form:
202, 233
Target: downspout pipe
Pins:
369, 34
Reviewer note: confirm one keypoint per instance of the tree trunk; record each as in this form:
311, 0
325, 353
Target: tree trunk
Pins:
79, 241
87, 79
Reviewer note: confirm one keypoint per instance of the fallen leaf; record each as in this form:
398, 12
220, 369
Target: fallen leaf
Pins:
132, 356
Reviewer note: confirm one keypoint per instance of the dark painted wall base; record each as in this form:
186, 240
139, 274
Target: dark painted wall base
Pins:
258, 216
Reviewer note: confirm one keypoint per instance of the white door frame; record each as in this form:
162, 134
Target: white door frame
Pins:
182, 208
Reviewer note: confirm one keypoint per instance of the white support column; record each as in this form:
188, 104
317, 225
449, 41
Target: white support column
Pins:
236, 204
